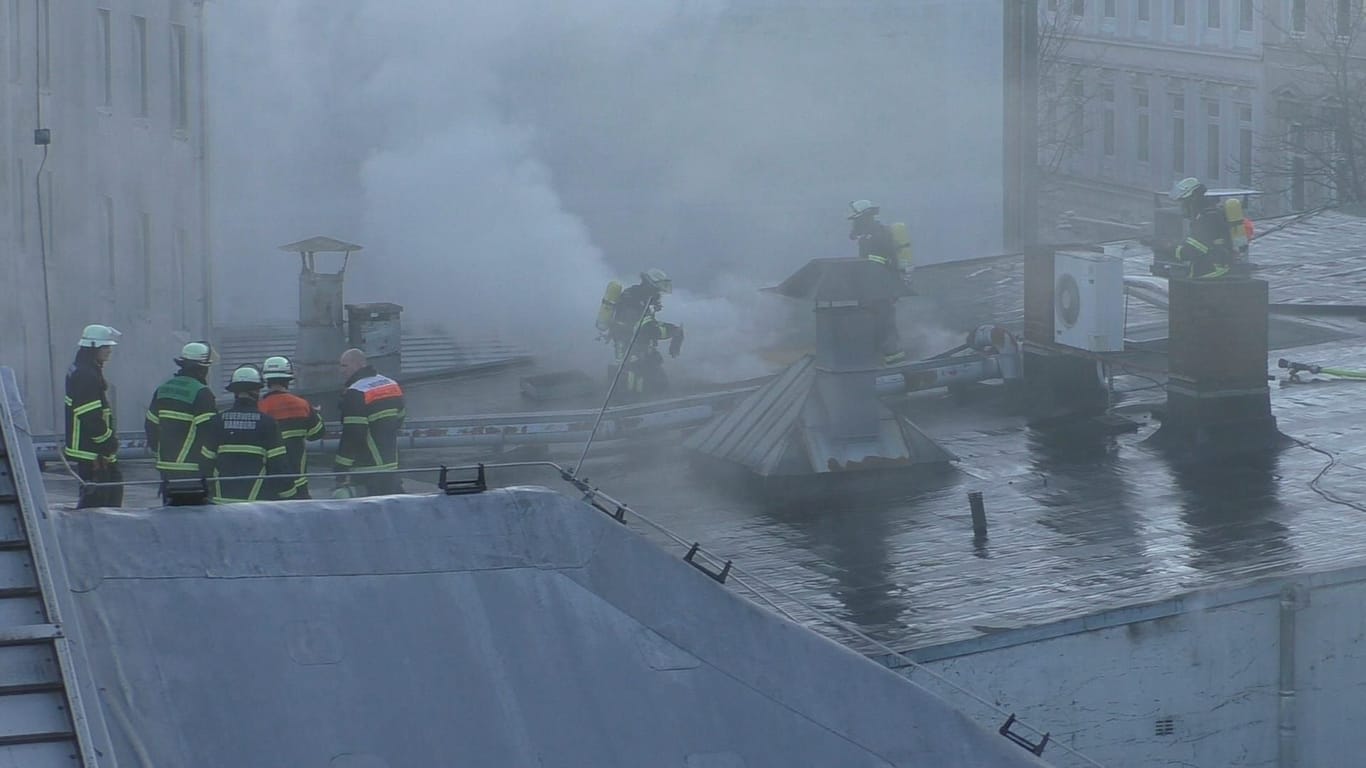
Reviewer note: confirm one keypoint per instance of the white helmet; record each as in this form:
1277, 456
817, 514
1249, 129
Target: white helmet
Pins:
245, 377
1186, 189
862, 208
657, 279
277, 368
198, 352
100, 336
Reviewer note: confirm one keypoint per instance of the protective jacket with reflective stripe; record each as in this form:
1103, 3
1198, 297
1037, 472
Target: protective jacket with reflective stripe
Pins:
878, 245
243, 442
372, 411
298, 421
175, 424
90, 424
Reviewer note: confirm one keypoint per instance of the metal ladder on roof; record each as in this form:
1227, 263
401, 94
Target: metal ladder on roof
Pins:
42, 720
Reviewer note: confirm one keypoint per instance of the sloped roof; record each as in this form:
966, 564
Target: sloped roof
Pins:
513, 627
321, 244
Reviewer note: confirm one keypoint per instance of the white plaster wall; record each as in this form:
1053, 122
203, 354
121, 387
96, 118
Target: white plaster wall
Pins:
1210, 663
143, 164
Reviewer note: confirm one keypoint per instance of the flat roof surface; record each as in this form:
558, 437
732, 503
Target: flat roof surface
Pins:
1075, 527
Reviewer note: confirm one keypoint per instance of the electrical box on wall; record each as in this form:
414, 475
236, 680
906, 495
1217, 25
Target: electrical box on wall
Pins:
1088, 301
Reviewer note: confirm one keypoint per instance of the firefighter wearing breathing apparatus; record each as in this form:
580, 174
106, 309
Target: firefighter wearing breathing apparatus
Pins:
889, 247
1208, 249
619, 315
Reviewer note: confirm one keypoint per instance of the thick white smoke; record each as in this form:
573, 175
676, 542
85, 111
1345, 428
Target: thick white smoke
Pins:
501, 161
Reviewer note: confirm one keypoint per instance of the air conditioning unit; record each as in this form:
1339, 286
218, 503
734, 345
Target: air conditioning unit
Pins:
1088, 301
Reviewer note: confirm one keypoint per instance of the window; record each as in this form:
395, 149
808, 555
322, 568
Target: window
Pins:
21, 190
1179, 13
1178, 134
1214, 165
180, 87
1245, 11
1145, 11
48, 213
110, 262
145, 251
140, 63
1078, 7
103, 40
1344, 18
1142, 138
1212, 13
1244, 146
1076, 136
1052, 5
1297, 16
182, 245
1108, 121
45, 36
1109, 9
13, 42
1297, 184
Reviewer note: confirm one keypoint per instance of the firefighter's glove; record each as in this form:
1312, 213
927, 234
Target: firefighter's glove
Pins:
676, 341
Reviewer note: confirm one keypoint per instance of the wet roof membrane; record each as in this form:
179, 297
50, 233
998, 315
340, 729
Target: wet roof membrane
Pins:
514, 627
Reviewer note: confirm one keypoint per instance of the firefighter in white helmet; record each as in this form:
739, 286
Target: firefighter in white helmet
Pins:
244, 446
1206, 249
91, 442
297, 418
180, 410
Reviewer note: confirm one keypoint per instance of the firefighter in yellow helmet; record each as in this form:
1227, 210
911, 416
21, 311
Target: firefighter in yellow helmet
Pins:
90, 440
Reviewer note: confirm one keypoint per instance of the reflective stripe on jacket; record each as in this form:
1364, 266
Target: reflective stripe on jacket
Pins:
243, 442
90, 423
176, 418
372, 411
298, 421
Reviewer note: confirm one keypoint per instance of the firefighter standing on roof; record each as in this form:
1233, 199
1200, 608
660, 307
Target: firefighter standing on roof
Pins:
90, 427
180, 409
243, 451
297, 418
1206, 249
372, 412
621, 313
889, 247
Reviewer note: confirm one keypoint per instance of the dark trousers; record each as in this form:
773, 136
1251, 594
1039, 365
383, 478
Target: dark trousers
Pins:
99, 497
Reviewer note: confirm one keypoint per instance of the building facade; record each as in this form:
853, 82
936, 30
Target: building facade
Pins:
106, 223
1146, 92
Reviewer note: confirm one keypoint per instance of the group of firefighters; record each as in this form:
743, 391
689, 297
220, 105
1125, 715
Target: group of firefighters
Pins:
627, 317
252, 450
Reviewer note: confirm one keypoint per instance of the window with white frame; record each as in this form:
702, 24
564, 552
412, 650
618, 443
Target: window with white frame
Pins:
1142, 137
1178, 134
1214, 166
104, 41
